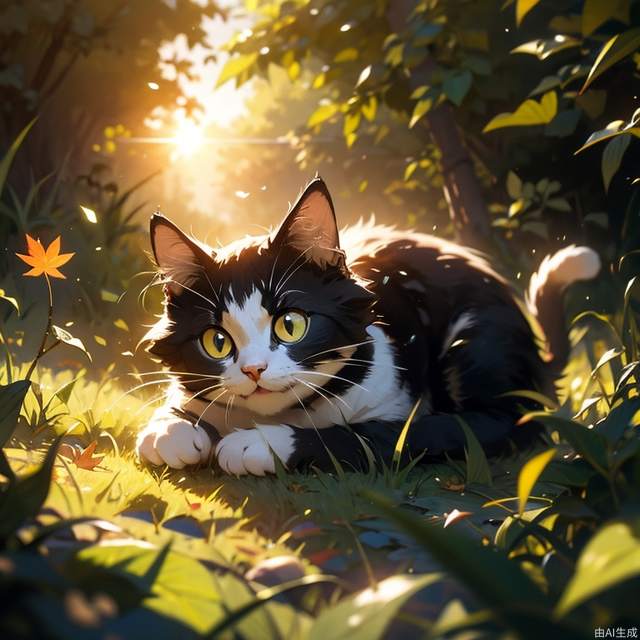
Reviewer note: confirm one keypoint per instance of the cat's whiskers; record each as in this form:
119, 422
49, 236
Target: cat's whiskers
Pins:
344, 346
184, 286
358, 362
228, 409
177, 373
209, 405
321, 391
205, 390
334, 377
313, 424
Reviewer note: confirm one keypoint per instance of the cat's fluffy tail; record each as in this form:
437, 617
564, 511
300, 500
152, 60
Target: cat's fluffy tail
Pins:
545, 296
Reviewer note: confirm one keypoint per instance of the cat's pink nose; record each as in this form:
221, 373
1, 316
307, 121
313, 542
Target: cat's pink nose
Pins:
254, 371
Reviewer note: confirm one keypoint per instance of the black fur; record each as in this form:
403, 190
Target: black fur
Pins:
415, 289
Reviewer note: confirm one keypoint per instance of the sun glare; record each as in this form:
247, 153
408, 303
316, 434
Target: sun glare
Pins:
188, 138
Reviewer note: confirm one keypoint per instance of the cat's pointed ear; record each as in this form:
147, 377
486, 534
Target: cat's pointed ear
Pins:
311, 228
179, 258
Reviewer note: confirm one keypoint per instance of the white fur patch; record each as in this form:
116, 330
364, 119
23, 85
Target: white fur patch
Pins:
251, 451
562, 269
462, 322
172, 441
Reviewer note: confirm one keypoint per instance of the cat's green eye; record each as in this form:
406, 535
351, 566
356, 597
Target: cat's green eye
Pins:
216, 343
291, 326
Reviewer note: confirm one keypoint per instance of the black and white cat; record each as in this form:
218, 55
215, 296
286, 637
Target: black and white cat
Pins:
305, 344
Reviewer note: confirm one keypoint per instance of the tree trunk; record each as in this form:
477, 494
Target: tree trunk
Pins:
462, 188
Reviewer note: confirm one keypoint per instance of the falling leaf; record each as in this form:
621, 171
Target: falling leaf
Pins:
44, 261
121, 324
100, 340
89, 214
243, 195
456, 516
64, 336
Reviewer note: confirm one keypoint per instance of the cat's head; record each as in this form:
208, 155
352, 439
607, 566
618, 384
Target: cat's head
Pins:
276, 324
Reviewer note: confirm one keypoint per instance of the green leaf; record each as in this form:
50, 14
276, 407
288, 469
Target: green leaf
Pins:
262, 598
410, 170
514, 185
351, 123
370, 108
606, 358
25, 497
529, 475
456, 86
397, 452
615, 50
543, 49
523, 7
421, 108
367, 614
7, 160
235, 66
11, 400
12, 301
176, 586
477, 466
64, 336
491, 576
612, 158
610, 557
322, 113
530, 112
587, 442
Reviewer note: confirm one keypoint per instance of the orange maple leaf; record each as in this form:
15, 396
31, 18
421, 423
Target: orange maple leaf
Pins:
44, 261
82, 458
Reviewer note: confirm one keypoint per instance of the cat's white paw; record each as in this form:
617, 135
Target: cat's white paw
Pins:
174, 442
250, 451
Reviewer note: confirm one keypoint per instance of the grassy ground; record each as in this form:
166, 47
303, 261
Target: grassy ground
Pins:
180, 553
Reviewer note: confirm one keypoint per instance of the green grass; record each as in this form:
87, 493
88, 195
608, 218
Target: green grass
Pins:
538, 542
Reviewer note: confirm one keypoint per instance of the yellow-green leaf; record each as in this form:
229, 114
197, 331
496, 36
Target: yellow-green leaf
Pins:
370, 108
523, 7
351, 123
408, 172
100, 340
322, 113
108, 296
530, 112
422, 107
347, 55
12, 301
235, 66
611, 556
367, 614
616, 49
529, 475
121, 324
